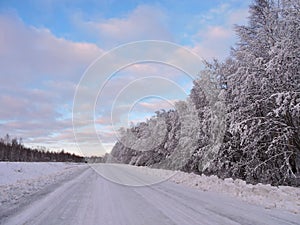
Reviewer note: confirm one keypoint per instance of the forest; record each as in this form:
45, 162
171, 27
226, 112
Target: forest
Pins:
12, 149
257, 109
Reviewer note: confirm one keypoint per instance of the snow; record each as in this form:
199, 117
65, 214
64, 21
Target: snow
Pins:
12, 172
19, 180
90, 199
282, 197
83, 194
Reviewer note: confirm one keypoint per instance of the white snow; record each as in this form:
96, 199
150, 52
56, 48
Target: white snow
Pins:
21, 179
12, 172
91, 199
282, 197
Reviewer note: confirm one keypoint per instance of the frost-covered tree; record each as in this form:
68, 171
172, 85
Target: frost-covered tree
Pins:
259, 139
148, 143
187, 137
207, 98
262, 139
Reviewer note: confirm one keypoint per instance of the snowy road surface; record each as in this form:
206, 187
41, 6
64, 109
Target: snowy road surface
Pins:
91, 199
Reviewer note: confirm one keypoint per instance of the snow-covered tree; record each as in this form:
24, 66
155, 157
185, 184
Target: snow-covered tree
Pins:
259, 138
149, 142
263, 97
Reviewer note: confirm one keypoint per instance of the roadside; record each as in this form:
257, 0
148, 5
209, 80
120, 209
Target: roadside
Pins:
22, 183
281, 197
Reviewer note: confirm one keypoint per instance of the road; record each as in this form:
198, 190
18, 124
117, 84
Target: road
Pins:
91, 199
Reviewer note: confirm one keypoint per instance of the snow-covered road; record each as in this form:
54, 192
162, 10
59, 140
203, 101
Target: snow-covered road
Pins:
91, 199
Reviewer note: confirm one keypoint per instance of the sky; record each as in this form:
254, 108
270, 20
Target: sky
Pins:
47, 46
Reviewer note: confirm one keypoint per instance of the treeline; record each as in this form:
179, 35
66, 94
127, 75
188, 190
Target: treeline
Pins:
14, 151
96, 159
249, 128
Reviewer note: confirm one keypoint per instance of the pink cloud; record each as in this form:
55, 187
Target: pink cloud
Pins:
158, 104
217, 32
38, 76
28, 53
144, 22
215, 40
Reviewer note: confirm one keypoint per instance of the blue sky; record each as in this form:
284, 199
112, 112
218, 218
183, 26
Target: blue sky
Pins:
45, 47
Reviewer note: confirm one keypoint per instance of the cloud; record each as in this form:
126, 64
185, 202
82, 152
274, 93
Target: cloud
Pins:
213, 42
123, 92
239, 16
139, 81
221, 9
158, 104
216, 35
29, 53
143, 23
38, 76
31, 106
217, 32
38, 80
39, 71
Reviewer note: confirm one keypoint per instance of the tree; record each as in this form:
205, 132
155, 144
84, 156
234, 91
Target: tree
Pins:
263, 97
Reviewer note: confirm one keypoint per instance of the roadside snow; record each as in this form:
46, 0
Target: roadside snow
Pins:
18, 180
282, 197
12, 172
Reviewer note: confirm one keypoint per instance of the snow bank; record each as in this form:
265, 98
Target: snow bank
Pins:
283, 197
21, 179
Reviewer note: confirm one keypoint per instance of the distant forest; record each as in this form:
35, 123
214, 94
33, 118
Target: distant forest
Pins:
12, 149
